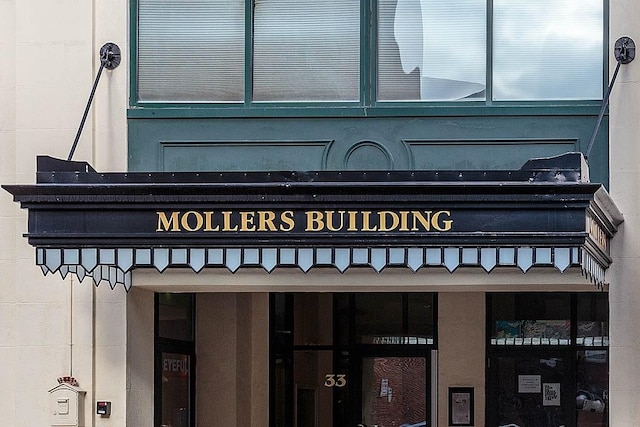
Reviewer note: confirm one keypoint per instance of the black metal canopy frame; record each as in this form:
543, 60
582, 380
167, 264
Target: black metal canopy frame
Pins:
105, 225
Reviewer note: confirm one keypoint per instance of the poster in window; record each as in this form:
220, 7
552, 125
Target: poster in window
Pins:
551, 394
529, 383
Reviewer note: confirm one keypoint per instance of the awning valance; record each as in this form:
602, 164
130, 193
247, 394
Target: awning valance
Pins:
104, 225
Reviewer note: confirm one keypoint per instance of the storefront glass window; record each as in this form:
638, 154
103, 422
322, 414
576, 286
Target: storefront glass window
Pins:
175, 316
174, 360
175, 390
592, 395
530, 319
544, 381
593, 320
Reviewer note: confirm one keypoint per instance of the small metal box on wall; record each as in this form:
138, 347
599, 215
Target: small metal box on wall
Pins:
67, 405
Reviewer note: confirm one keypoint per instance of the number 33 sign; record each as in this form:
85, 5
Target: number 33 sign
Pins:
335, 380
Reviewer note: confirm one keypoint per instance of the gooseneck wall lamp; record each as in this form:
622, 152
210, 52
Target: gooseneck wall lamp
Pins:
110, 58
624, 51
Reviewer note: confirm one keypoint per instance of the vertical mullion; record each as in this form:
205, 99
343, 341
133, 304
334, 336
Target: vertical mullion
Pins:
605, 47
248, 52
489, 51
133, 53
366, 54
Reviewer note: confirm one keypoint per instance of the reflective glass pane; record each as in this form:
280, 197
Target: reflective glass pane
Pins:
531, 319
313, 319
421, 318
534, 391
175, 390
592, 395
593, 319
175, 316
321, 384
394, 391
431, 50
547, 49
191, 50
378, 319
306, 50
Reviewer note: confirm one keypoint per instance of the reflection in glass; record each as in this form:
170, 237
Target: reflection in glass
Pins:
191, 50
175, 389
530, 319
443, 41
547, 49
592, 394
306, 50
593, 319
313, 319
175, 316
394, 391
316, 380
378, 316
533, 391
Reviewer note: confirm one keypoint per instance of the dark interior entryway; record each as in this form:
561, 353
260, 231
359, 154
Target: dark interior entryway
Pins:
349, 360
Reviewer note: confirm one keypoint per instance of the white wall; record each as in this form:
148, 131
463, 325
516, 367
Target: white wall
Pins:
625, 188
49, 56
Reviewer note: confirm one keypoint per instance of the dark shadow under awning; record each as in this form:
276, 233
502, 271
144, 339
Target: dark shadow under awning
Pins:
104, 225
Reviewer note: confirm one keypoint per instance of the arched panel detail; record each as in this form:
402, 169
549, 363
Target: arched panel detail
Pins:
368, 155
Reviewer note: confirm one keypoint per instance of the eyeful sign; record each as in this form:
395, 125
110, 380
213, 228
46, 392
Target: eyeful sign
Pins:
307, 221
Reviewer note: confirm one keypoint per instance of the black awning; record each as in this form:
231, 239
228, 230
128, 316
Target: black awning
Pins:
104, 225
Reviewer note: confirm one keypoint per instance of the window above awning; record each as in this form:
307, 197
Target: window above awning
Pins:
105, 225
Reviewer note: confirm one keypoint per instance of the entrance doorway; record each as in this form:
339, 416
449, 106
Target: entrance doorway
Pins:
349, 360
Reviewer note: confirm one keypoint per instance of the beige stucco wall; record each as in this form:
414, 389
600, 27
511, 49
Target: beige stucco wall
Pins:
51, 327
624, 275
461, 349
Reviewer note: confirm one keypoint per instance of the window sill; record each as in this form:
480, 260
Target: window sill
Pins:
168, 111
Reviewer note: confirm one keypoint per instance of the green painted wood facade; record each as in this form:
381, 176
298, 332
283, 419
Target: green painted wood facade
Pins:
319, 139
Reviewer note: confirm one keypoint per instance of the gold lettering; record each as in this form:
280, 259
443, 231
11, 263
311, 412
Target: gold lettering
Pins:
395, 220
314, 221
208, 222
168, 224
246, 221
330, 215
426, 222
365, 222
287, 221
353, 223
445, 224
404, 221
226, 222
265, 221
185, 221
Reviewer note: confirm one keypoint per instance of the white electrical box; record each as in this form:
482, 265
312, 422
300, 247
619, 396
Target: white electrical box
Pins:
67, 405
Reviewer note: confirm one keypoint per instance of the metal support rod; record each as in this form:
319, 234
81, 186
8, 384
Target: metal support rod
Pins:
605, 103
624, 52
109, 59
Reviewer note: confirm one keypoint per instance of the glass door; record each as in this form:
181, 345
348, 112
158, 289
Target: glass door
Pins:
394, 391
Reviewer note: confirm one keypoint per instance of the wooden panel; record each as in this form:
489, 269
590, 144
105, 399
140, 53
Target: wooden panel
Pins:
483, 154
365, 143
244, 156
